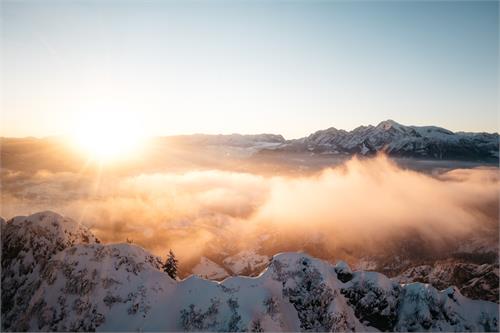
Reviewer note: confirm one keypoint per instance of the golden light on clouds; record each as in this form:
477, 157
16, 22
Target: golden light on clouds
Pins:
366, 204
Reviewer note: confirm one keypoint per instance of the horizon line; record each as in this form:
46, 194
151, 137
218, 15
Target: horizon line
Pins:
51, 136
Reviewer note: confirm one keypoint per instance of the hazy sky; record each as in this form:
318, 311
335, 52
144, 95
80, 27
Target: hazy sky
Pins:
249, 66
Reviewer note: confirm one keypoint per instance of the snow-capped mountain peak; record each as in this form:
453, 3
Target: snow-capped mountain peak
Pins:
388, 124
428, 142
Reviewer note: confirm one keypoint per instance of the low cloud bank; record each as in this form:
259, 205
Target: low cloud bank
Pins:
360, 204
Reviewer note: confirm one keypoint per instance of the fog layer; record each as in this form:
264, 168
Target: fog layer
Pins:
360, 204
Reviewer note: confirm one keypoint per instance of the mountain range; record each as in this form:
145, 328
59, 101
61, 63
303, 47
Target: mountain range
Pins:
390, 137
56, 276
271, 152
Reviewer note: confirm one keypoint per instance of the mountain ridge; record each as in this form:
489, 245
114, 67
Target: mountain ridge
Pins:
121, 287
274, 135
388, 137
398, 140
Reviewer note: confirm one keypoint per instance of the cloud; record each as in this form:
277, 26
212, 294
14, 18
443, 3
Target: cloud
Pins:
365, 200
362, 204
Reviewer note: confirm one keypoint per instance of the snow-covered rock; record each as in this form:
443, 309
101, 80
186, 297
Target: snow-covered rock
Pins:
428, 142
423, 308
344, 272
474, 280
28, 243
121, 287
246, 262
208, 269
95, 286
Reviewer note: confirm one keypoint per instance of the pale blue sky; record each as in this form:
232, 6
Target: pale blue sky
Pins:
249, 66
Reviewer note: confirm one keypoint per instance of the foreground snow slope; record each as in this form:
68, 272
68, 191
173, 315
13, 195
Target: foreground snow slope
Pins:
120, 287
28, 243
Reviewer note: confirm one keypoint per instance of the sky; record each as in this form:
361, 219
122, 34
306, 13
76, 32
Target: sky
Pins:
288, 67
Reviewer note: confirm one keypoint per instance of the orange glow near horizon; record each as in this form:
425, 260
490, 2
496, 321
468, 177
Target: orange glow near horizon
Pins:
108, 136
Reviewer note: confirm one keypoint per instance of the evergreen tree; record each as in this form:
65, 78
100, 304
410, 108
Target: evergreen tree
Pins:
170, 266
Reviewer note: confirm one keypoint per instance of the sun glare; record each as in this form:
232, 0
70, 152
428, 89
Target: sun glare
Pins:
108, 136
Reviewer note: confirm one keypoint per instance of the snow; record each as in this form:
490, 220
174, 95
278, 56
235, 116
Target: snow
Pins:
121, 287
246, 262
400, 140
344, 272
365, 264
475, 281
429, 142
208, 269
28, 243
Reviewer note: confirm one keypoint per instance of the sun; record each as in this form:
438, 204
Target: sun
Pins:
108, 136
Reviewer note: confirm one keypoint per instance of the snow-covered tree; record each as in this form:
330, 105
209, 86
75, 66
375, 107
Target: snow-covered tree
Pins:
170, 266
